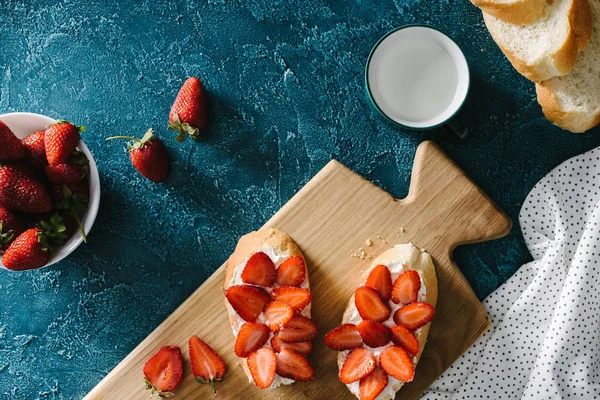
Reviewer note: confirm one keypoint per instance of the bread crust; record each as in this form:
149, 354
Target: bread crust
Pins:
427, 271
520, 12
563, 60
574, 121
248, 245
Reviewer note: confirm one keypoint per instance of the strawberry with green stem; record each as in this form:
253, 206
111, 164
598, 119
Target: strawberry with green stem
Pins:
188, 114
10, 227
60, 140
148, 155
75, 168
75, 205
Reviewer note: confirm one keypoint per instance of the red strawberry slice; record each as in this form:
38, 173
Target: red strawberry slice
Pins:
207, 365
259, 270
396, 362
163, 371
251, 337
291, 272
262, 364
277, 315
370, 306
299, 329
247, 301
372, 385
405, 338
296, 297
294, 366
380, 279
344, 337
300, 347
414, 315
374, 334
359, 363
406, 288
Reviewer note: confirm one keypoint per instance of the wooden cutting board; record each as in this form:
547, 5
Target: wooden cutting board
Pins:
330, 219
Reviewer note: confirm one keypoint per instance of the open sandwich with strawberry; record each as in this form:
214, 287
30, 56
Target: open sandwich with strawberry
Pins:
386, 322
269, 301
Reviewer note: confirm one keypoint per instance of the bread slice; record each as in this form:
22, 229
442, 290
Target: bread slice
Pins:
403, 257
549, 46
518, 12
272, 242
573, 101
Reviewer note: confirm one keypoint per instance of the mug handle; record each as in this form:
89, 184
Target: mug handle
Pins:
458, 128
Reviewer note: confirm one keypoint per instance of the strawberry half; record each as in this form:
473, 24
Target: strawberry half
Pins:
299, 329
301, 347
262, 365
358, 364
294, 366
36, 149
60, 140
406, 288
414, 316
396, 362
277, 315
372, 385
380, 279
248, 301
188, 114
259, 270
405, 338
11, 149
163, 371
296, 297
370, 306
344, 337
291, 272
251, 337
374, 334
207, 365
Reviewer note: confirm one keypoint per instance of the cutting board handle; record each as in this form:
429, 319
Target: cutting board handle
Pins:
449, 202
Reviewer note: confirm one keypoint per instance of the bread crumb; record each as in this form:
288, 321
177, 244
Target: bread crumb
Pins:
382, 239
402, 230
368, 242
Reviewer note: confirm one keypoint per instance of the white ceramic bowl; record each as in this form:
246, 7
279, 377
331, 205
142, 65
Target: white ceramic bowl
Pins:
22, 124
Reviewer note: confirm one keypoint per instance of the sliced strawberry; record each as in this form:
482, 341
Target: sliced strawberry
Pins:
414, 316
299, 329
396, 362
207, 365
405, 338
380, 279
247, 301
259, 270
344, 337
296, 297
291, 272
372, 385
370, 306
163, 371
277, 314
359, 363
293, 365
262, 364
406, 288
374, 334
251, 337
301, 347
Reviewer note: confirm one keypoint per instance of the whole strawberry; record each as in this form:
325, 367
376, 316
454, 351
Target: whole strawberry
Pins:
31, 249
11, 148
61, 139
10, 227
72, 170
22, 191
188, 114
148, 155
36, 149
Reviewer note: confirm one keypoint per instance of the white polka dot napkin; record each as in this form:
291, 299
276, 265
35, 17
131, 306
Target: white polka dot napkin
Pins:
544, 343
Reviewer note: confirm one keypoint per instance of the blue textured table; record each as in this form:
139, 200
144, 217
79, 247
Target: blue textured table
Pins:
286, 94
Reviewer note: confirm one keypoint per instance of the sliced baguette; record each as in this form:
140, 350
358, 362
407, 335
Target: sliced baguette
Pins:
573, 101
283, 245
518, 12
415, 260
549, 46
